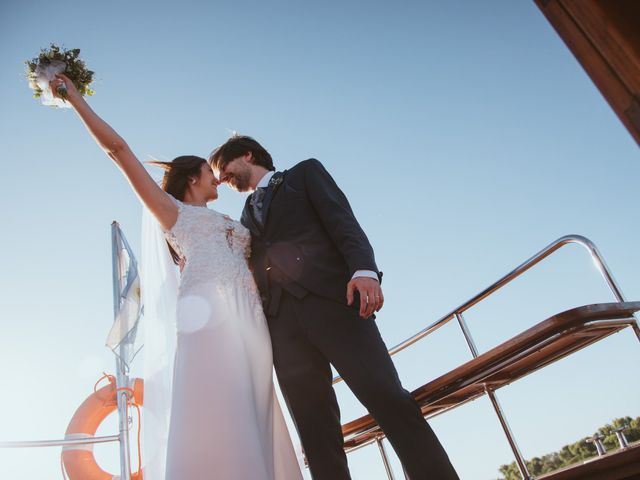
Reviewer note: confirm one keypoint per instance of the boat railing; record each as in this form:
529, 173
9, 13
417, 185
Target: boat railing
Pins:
458, 315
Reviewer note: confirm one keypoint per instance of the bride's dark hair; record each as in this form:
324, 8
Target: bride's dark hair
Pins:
177, 173
175, 181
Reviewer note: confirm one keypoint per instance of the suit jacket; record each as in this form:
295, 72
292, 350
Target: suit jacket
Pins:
310, 240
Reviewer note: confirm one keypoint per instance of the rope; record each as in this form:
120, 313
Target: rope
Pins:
111, 378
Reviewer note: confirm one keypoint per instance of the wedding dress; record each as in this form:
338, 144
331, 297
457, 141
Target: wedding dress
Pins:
225, 420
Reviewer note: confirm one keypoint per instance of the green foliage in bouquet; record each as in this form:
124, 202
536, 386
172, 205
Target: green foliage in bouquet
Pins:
75, 69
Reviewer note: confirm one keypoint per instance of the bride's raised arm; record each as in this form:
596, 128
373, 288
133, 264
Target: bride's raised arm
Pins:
149, 192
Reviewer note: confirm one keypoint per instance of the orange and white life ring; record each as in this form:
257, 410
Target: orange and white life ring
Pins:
78, 460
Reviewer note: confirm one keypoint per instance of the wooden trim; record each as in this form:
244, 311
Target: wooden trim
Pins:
592, 29
597, 25
540, 345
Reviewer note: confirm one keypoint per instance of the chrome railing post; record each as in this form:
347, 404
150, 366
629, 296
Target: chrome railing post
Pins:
385, 458
605, 272
467, 334
522, 466
600, 263
122, 378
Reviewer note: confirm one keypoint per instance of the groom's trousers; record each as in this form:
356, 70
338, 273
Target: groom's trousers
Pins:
308, 335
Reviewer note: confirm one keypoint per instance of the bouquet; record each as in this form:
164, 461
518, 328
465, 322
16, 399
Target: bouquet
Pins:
52, 61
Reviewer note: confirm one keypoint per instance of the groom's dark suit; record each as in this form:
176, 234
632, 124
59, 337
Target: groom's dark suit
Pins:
305, 249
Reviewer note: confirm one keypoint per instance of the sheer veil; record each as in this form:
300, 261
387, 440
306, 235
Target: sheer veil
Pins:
159, 289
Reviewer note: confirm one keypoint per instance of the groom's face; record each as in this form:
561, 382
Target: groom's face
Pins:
237, 173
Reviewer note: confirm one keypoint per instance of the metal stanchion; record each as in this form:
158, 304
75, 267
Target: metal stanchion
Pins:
385, 458
522, 466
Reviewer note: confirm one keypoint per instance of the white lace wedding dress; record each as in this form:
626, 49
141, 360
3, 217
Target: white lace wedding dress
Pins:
226, 422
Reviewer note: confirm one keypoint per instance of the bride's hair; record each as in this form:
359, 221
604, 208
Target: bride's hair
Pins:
177, 173
175, 181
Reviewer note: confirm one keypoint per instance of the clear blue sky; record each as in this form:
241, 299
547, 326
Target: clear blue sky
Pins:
465, 134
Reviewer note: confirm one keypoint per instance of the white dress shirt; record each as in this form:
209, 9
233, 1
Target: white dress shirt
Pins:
264, 182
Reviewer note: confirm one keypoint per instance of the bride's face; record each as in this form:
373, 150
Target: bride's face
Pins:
207, 183
237, 174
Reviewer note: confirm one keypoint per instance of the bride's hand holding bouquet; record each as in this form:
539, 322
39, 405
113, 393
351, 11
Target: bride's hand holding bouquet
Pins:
62, 83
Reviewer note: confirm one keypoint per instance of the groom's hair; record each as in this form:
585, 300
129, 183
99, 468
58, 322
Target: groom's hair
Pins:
237, 146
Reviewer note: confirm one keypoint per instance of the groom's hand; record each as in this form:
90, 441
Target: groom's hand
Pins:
371, 298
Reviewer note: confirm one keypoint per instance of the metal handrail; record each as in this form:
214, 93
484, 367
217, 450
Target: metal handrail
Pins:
535, 259
60, 443
457, 313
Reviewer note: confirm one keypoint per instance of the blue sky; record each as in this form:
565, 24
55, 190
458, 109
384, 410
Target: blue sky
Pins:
465, 134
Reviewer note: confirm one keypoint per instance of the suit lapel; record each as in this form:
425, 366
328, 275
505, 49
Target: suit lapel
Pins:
247, 218
274, 184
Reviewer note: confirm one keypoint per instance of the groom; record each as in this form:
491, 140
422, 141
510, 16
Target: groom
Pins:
320, 287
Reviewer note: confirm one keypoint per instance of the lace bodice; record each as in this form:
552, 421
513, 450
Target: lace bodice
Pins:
221, 382
216, 248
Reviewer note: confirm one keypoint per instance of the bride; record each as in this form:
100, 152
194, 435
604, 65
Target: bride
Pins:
225, 421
